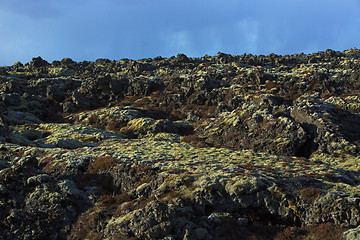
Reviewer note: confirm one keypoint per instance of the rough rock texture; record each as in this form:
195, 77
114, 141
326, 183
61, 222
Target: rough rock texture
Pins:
218, 147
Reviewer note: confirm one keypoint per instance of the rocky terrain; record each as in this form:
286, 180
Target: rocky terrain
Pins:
217, 147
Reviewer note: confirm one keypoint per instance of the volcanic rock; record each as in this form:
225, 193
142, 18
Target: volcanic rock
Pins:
217, 147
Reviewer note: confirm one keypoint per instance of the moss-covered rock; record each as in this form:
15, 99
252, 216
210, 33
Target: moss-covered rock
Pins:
102, 149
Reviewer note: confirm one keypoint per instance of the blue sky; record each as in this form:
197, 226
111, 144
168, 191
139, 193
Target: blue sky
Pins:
134, 29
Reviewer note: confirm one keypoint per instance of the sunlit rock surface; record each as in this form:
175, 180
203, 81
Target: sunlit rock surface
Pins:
222, 147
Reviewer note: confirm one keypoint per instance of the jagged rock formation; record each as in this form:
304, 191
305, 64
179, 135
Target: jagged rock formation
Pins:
223, 147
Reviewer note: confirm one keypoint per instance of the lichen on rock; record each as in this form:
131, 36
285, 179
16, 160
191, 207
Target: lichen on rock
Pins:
217, 147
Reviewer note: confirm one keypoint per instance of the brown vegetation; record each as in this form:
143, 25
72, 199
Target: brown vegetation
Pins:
114, 126
322, 231
310, 194
270, 85
100, 164
195, 141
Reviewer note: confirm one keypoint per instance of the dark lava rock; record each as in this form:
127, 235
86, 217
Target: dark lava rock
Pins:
38, 62
35, 201
304, 108
144, 87
80, 101
67, 62
12, 99
4, 129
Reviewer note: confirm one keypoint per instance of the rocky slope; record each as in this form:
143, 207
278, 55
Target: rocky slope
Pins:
218, 147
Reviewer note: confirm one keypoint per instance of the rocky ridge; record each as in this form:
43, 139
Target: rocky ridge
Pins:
218, 147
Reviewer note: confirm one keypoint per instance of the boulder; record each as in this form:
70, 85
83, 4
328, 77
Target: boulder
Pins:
55, 92
68, 143
260, 132
178, 127
80, 101
17, 117
144, 87
4, 129
38, 62
352, 234
12, 99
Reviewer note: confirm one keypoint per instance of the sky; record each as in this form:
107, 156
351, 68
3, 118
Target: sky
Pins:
135, 29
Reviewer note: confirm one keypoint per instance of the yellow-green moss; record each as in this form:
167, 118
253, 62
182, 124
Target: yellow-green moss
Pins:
58, 71
351, 103
47, 196
140, 124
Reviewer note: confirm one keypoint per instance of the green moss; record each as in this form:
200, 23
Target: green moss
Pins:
351, 103
163, 136
58, 71
51, 197
140, 124
79, 134
282, 141
164, 72
244, 185
46, 196
170, 182
124, 218
346, 161
185, 192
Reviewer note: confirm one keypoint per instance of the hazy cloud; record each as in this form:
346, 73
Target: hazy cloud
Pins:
35, 9
91, 29
178, 41
247, 32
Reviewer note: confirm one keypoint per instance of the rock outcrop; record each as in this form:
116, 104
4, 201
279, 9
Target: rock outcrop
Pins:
218, 147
